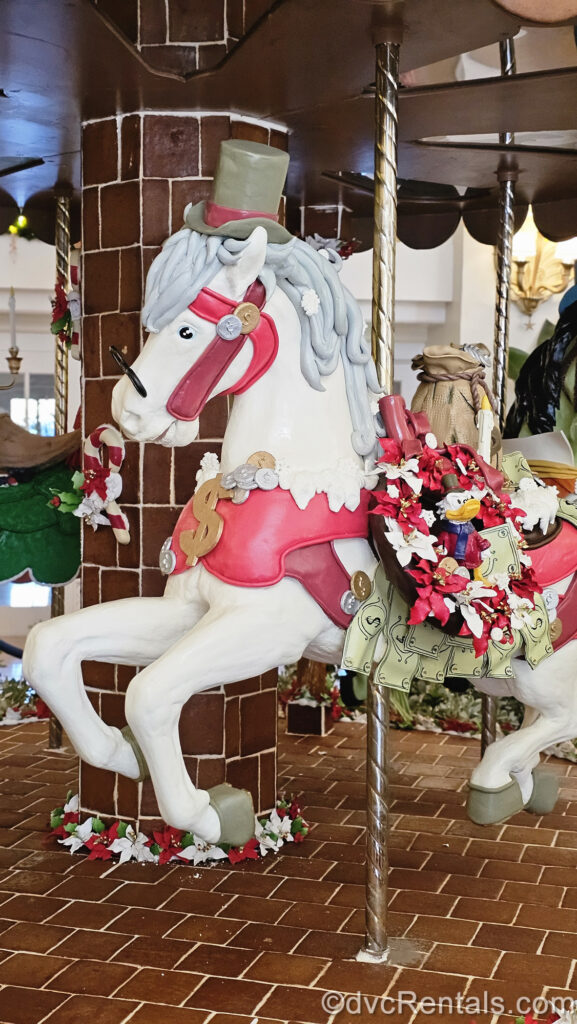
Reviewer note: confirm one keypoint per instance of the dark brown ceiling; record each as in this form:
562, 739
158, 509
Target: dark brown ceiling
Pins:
306, 64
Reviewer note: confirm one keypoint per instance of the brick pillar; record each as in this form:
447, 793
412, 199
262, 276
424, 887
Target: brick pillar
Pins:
139, 172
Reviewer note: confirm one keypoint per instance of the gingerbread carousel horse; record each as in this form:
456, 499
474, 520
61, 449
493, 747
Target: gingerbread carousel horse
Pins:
270, 559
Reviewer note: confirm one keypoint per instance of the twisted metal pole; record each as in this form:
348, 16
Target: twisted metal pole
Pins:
507, 175
376, 948
62, 243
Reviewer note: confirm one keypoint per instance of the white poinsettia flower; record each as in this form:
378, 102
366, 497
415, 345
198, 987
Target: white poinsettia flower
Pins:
393, 491
501, 580
78, 838
282, 826
407, 471
450, 603
414, 543
429, 516
132, 847
71, 807
310, 302
473, 619
476, 591
521, 608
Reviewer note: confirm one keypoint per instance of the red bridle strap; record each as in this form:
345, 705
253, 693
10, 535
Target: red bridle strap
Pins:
192, 392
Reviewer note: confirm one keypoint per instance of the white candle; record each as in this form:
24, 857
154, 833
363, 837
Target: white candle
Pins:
485, 425
12, 308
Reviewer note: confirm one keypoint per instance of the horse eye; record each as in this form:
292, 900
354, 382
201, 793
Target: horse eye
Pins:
186, 332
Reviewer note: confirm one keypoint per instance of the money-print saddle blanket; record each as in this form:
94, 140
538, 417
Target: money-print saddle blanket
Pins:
269, 537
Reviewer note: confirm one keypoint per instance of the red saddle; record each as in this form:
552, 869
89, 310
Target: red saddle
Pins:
553, 561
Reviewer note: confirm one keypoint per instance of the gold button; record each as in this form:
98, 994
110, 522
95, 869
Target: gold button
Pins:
361, 585
263, 460
555, 630
249, 316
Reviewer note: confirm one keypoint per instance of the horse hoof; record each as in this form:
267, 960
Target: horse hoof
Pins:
235, 811
545, 792
492, 806
142, 765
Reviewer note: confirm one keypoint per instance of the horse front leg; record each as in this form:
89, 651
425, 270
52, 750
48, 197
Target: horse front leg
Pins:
133, 631
262, 629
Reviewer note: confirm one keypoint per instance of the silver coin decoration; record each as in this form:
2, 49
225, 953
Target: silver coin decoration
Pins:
266, 479
349, 603
240, 496
229, 327
245, 476
228, 482
167, 558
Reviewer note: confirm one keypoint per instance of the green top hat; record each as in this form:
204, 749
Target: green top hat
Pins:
247, 190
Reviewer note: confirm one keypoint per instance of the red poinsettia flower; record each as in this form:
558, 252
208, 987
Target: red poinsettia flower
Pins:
294, 809
99, 843
42, 709
527, 585
392, 451
463, 460
406, 508
95, 480
170, 843
456, 725
59, 302
433, 466
250, 851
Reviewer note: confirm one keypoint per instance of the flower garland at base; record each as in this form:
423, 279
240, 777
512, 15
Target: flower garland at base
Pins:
285, 824
19, 703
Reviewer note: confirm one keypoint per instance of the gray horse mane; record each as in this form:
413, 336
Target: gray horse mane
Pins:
189, 261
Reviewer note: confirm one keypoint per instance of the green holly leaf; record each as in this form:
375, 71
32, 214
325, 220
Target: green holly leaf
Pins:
122, 829
155, 849
98, 826
70, 827
56, 817
187, 840
62, 324
77, 479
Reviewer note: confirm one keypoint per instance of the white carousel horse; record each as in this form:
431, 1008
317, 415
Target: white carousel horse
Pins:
310, 409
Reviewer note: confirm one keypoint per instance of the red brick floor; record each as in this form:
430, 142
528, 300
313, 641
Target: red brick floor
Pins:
485, 913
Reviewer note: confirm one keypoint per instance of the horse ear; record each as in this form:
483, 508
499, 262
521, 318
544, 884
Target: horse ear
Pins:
242, 274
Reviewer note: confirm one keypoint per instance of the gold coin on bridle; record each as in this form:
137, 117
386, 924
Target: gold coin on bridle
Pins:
450, 565
249, 316
361, 585
555, 630
202, 540
262, 460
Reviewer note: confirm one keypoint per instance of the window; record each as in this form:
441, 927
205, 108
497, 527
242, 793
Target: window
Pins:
30, 403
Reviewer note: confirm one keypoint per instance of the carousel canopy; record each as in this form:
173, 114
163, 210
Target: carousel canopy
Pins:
88, 59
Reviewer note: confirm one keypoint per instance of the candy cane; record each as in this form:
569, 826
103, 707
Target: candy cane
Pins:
112, 438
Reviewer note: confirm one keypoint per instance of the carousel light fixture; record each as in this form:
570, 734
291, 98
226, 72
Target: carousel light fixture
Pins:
13, 358
541, 268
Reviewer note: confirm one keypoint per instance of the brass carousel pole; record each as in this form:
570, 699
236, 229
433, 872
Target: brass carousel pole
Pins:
376, 948
62, 243
507, 175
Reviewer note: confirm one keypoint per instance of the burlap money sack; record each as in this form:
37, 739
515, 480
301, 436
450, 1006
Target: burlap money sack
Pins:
451, 388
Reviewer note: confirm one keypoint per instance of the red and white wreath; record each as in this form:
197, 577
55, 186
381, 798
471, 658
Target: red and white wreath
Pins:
434, 506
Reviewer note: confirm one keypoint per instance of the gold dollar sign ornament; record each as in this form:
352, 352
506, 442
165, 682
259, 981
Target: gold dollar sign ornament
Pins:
196, 543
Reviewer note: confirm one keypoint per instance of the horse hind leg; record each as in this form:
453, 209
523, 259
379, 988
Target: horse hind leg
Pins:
134, 631
506, 779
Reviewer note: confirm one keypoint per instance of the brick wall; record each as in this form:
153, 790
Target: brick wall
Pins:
139, 172
183, 36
